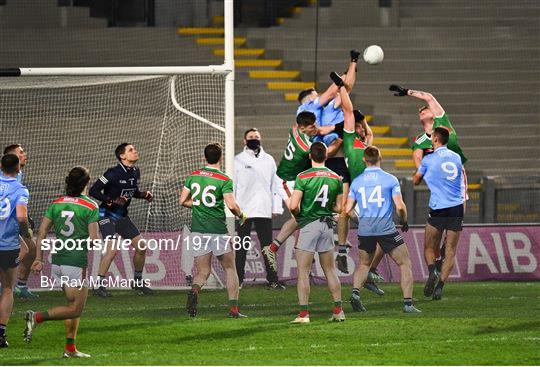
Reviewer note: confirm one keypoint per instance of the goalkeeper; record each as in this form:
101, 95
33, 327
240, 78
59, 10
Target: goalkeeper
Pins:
432, 116
115, 189
74, 217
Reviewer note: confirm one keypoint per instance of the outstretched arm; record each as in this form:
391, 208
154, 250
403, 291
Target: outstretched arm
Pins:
369, 132
346, 103
433, 104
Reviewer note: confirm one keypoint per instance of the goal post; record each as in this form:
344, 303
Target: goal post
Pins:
177, 110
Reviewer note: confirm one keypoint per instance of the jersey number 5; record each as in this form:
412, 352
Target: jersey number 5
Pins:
289, 151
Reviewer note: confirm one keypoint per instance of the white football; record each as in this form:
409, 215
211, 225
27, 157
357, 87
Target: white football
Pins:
373, 55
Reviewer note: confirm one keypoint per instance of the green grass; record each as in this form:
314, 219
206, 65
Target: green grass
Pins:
476, 323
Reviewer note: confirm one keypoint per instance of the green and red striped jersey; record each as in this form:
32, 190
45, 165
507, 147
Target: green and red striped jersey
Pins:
295, 159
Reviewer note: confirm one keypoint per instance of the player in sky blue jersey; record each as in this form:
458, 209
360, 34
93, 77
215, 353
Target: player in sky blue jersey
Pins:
21, 289
13, 223
372, 194
442, 172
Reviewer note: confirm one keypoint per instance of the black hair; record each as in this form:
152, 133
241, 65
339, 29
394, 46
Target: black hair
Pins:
11, 148
358, 116
76, 181
253, 129
10, 163
442, 134
318, 152
213, 152
121, 149
305, 118
303, 94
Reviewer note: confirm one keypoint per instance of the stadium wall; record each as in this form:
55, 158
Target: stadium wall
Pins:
490, 252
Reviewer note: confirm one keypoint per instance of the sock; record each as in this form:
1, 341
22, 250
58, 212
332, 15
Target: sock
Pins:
70, 345
233, 305
373, 270
41, 316
356, 291
338, 307
407, 301
195, 288
2, 329
303, 311
440, 284
137, 275
431, 268
274, 246
21, 283
100, 280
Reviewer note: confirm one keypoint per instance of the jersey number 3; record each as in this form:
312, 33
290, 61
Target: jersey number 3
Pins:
68, 214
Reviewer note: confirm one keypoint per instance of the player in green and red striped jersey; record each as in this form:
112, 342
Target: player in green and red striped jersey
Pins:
74, 217
317, 196
433, 116
357, 136
206, 192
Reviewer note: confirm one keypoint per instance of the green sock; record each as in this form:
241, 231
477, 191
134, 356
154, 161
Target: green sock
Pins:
70, 341
196, 288
338, 304
233, 302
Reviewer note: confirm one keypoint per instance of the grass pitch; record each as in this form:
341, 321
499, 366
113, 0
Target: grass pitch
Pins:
476, 323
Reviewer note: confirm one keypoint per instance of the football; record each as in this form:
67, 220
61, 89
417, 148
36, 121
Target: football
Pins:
373, 55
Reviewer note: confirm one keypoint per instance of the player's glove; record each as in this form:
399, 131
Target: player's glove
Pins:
31, 223
337, 79
242, 219
121, 200
404, 226
148, 196
341, 259
398, 91
355, 55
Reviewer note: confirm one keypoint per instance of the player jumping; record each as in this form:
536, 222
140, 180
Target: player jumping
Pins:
432, 116
13, 223
317, 196
442, 171
115, 189
373, 193
74, 217
206, 192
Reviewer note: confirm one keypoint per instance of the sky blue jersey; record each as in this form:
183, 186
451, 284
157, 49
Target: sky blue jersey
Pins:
12, 193
373, 191
312, 106
20, 177
331, 115
442, 171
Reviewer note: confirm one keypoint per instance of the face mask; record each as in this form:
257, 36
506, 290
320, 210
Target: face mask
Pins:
253, 144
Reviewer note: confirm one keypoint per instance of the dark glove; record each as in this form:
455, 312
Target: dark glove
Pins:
404, 226
31, 223
399, 91
147, 195
341, 260
337, 79
355, 55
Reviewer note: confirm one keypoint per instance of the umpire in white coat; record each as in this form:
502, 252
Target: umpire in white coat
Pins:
256, 189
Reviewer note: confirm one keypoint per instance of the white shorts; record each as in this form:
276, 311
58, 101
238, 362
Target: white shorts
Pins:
67, 274
200, 244
317, 236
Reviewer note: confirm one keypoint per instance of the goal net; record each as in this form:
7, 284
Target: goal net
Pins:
66, 121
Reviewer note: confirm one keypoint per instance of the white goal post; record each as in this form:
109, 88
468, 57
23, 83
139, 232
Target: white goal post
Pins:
227, 69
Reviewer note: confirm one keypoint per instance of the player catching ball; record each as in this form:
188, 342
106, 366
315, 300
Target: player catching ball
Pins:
317, 196
206, 192
115, 189
74, 217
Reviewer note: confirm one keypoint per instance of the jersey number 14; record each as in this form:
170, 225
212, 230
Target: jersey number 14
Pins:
374, 197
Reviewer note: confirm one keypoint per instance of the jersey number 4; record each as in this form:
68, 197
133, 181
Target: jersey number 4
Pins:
322, 196
374, 197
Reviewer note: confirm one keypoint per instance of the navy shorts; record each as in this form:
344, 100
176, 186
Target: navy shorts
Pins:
339, 166
123, 227
388, 242
447, 218
9, 259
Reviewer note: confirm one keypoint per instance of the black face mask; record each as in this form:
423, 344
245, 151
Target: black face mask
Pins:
253, 144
